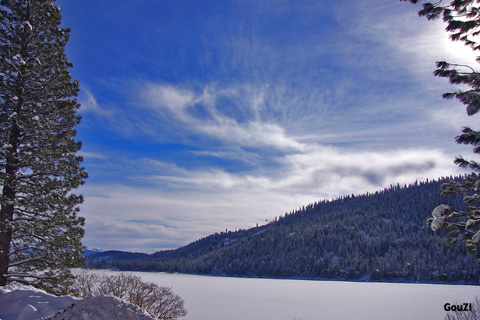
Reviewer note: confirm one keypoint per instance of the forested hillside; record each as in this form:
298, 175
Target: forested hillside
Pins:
378, 236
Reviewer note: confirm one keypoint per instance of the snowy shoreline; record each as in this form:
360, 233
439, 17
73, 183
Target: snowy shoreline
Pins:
361, 280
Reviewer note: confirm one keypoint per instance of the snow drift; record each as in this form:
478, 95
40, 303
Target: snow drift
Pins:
27, 303
100, 308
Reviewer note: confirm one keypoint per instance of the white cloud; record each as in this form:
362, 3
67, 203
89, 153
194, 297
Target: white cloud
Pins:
409, 40
214, 122
89, 104
453, 115
167, 96
335, 172
93, 155
252, 134
145, 219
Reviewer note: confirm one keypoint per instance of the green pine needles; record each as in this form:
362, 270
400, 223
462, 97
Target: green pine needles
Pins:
40, 232
463, 23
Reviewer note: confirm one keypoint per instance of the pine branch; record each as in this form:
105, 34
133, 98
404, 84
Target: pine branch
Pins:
26, 275
25, 249
462, 163
26, 261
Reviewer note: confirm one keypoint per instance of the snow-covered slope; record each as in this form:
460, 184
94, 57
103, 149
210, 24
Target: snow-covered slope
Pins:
100, 308
27, 303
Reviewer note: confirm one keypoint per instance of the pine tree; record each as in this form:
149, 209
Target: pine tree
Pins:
40, 232
463, 24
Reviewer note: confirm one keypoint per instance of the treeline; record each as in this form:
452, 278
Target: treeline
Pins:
378, 236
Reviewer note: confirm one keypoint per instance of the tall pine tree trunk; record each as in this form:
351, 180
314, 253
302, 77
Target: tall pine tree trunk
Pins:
6, 216
8, 205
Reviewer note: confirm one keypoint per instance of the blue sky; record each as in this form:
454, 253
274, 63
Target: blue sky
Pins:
201, 116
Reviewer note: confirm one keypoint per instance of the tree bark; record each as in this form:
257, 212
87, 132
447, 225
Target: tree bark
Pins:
8, 206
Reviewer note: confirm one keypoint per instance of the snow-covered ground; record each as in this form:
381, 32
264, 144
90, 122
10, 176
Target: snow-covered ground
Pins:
219, 298
26, 303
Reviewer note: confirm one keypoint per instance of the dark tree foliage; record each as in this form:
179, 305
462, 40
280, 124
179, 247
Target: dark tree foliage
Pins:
374, 237
40, 232
462, 18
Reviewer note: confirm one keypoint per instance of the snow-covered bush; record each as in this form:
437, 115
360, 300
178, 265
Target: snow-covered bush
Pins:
100, 308
160, 302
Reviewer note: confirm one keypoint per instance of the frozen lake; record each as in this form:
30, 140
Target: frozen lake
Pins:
220, 298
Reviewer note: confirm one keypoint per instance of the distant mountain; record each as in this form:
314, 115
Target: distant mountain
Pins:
376, 236
91, 250
115, 256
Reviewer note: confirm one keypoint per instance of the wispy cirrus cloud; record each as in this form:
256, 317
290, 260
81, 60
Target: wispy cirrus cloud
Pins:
203, 114
90, 104
171, 98
410, 41
92, 155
